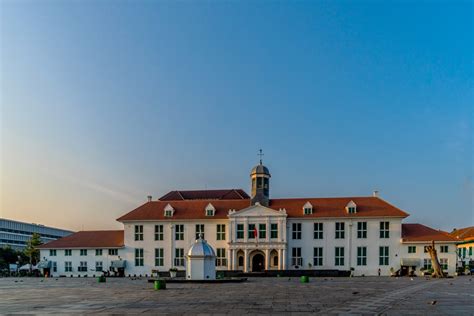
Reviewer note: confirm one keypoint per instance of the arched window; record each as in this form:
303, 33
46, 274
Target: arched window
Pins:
241, 261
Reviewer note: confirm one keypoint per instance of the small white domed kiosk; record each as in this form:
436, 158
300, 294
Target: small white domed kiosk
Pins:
201, 261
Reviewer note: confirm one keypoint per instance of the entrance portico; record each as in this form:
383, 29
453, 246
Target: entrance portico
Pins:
254, 259
257, 239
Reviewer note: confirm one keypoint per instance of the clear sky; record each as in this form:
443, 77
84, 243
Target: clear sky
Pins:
105, 102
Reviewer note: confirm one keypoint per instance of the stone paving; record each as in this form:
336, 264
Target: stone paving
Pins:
286, 296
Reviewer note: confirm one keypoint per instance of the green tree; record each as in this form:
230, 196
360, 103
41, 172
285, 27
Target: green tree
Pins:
32, 251
9, 255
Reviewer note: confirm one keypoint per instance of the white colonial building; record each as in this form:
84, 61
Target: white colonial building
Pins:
254, 233
465, 245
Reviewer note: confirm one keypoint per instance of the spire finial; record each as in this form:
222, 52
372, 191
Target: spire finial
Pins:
260, 153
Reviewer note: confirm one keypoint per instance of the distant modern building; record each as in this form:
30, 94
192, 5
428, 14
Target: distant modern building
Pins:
16, 234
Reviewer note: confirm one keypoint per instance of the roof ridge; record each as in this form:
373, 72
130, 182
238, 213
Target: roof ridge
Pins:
100, 230
237, 191
331, 197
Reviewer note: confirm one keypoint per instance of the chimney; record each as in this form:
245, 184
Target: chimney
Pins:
375, 194
149, 198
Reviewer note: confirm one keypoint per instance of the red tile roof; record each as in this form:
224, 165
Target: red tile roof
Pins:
229, 194
322, 207
418, 232
190, 209
336, 207
88, 239
464, 234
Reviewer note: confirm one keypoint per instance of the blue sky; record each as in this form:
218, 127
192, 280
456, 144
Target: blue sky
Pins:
105, 102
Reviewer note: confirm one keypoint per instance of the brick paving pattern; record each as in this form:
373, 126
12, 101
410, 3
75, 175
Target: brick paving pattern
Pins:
361, 296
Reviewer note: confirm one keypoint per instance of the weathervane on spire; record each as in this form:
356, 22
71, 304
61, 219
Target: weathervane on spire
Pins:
261, 155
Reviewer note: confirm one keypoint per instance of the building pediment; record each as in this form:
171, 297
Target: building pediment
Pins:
257, 210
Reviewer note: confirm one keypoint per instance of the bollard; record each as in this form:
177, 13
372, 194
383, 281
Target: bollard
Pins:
160, 285
304, 279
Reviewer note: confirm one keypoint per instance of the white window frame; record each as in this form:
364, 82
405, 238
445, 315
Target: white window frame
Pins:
318, 230
385, 229
384, 256
139, 257
159, 232
210, 210
296, 259
220, 231
159, 257
68, 266
179, 257
427, 264
262, 231
240, 231
339, 259
273, 230
99, 266
138, 232
200, 230
361, 230
82, 266
340, 229
296, 231
362, 256
318, 259
221, 257
179, 232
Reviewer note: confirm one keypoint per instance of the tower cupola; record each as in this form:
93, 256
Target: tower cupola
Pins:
260, 177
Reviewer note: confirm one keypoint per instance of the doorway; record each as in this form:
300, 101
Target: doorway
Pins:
258, 263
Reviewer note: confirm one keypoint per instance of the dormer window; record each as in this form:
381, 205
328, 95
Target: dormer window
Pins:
307, 209
351, 207
210, 210
169, 211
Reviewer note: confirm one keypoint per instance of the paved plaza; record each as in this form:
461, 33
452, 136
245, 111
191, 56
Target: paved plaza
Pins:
369, 295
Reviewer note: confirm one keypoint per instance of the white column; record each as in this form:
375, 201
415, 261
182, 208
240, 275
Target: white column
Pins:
267, 259
283, 258
246, 260
171, 254
230, 233
232, 261
280, 229
279, 259
268, 229
230, 258
246, 227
